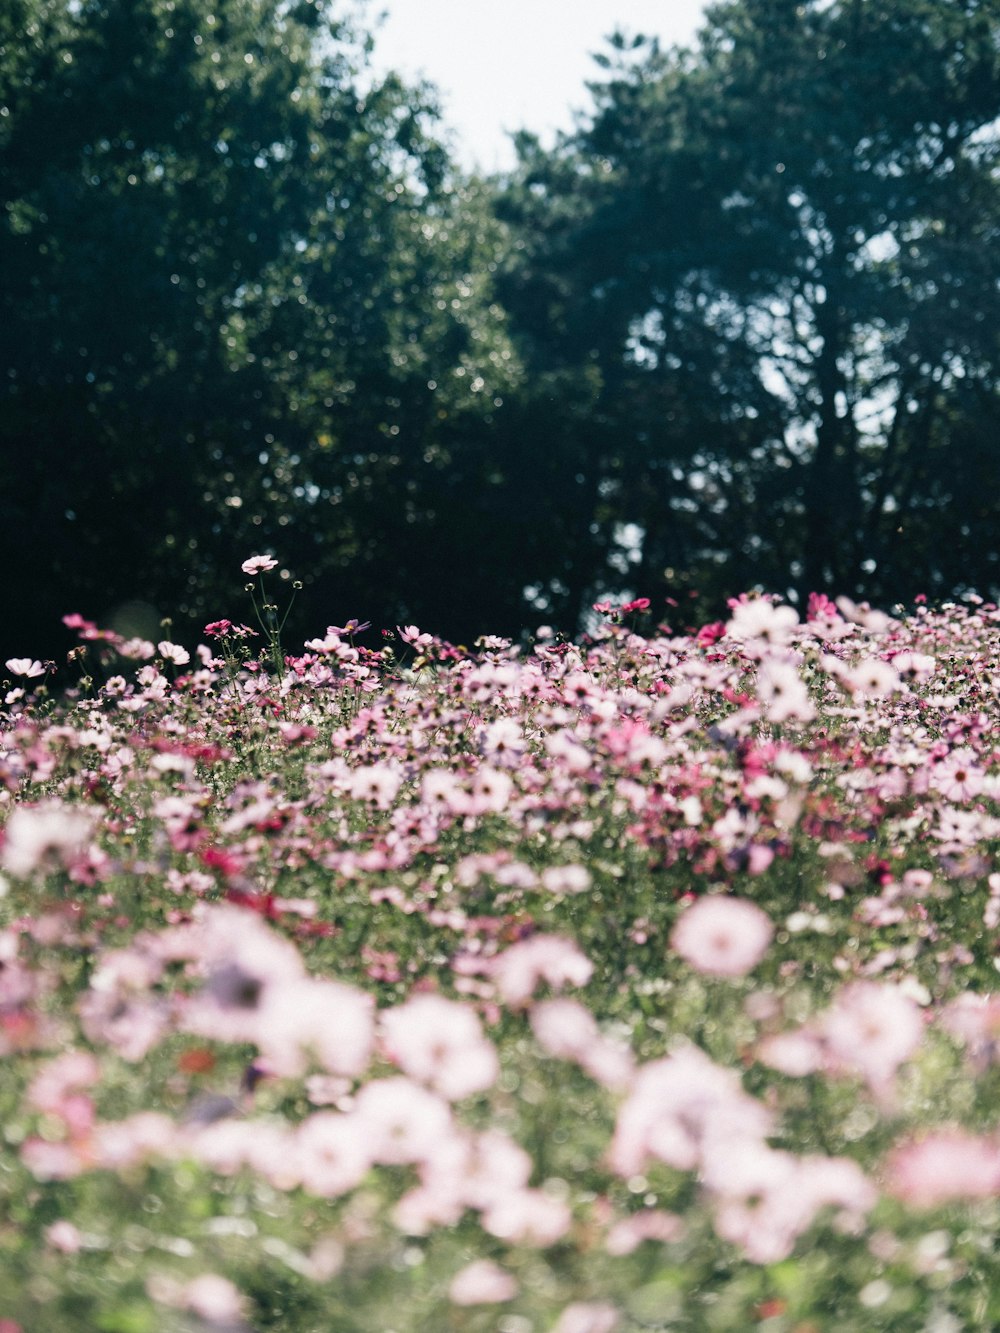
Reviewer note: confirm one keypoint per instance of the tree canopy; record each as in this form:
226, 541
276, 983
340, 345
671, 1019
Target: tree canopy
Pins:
240, 301
740, 328
777, 253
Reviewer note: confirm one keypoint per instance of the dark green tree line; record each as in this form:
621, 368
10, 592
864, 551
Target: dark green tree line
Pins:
778, 257
242, 308
741, 327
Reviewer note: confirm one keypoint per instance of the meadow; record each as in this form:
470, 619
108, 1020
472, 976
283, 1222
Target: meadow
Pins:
636, 983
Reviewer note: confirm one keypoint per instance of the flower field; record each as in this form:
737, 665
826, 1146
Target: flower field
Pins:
642, 983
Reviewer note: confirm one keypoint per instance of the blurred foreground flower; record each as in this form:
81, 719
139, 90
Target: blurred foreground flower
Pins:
44, 836
723, 937
482, 1283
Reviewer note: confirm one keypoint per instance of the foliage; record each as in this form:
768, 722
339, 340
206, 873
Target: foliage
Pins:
235, 275
777, 254
740, 328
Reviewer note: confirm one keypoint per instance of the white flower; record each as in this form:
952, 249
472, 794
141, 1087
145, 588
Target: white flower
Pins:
24, 666
173, 652
759, 622
782, 692
873, 678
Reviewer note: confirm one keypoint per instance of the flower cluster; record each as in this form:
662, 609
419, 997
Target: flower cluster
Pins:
583, 986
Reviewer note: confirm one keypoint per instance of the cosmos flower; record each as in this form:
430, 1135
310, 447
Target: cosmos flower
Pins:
482, 1283
547, 958
871, 1028
440, 1042
944, 1165
332, 1153
761, 625
45, 837
24, 666
871, 678
587, 1317
258, 564
782, 692
722, 937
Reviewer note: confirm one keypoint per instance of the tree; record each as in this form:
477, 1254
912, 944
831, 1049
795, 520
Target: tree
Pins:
229, 257
780, 254
381, 365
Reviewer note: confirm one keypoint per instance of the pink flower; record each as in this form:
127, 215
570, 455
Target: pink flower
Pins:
541, 958
120, 1006
568, 1031
119, 1144
56, 1080
411, 635
945, 1165
63, 1236
564, 1028
421, 1210
332, 1153
767, 1199
353, 626
440, 1042
245, 965
722, 937
652, 1224
226, 1145
782, 693
872, 678
759, 624
327, 1020
402, 1121
872, 1029
53, 1159
860, 613
258, 564
375, 783
793, 1053
173, 652
482, 1283
959, 776
223, 629
975, 1021
491, 790
476, 1170
677, 1108
566, 879
214, 1299
914, 667
527, 1217
44, 837
587, 1317
443, 790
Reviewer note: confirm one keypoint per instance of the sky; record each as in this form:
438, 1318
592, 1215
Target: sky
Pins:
514, 64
